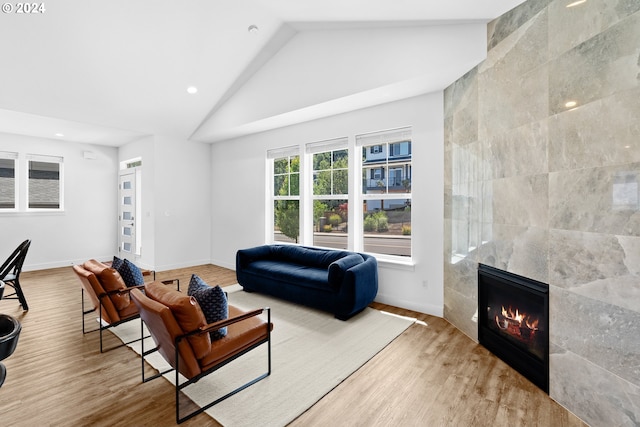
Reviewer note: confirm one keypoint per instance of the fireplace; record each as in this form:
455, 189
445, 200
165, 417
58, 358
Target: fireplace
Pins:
513, 322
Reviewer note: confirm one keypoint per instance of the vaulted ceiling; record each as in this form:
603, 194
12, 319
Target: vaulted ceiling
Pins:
110, 71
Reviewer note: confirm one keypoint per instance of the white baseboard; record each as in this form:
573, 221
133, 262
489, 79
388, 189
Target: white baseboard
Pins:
433, 310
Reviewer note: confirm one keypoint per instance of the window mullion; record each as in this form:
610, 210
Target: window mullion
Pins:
306, 199
355, 196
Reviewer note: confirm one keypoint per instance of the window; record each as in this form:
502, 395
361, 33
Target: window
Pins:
386, 192
8, 187
286, 194
330, 168
44, 184
344, 193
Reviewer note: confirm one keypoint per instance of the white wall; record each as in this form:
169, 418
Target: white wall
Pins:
238, 193
145, 149
183, 203
176, 203
87, 227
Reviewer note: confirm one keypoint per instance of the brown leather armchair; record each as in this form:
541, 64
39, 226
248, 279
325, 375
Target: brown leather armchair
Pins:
181, 335
108, 294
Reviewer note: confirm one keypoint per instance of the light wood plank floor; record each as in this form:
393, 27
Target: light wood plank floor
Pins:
432, 375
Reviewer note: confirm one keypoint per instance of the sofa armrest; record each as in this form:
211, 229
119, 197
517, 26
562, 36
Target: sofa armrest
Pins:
359, 288
226, 322
338, 268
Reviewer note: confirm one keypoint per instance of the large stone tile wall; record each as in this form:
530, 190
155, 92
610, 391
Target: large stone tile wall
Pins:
552, 192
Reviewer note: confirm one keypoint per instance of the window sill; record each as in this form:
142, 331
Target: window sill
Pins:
51, 212
399, 263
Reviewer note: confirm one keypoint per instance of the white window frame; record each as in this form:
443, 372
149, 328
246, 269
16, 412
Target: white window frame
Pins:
271, 198
354, 144
385, 138
7, 155
330, 145
47, 159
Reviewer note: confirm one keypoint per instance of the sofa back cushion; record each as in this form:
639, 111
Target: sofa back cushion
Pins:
312, 257
187, 312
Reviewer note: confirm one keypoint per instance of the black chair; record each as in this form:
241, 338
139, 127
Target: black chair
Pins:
10, 273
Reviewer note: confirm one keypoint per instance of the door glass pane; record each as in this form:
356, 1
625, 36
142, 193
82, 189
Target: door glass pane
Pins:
127, 216
126, 200
126, 231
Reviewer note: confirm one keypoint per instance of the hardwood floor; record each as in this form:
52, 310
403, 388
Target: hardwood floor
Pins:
432, 375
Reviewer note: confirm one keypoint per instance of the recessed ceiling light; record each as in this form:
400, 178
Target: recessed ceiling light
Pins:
576, 3
570, 104
60, 135
192, 89
253, 29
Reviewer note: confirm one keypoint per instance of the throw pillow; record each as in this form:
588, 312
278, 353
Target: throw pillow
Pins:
213, 302
117, 262
130, 273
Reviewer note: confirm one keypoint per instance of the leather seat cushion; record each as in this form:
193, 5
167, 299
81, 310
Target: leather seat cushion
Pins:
129, 311
240, 336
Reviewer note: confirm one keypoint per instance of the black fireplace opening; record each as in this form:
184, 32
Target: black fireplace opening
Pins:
513, 322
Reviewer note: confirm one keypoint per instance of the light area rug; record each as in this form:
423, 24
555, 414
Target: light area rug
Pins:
312, 352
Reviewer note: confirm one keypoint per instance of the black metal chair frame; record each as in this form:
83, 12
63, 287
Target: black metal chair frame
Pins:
104, 327
210, 327
13, 266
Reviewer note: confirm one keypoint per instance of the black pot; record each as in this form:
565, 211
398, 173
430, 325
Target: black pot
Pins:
9, 332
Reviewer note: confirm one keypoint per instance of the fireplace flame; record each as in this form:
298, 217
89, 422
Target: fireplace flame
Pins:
521, 319
533, 325
519, 325
509, 314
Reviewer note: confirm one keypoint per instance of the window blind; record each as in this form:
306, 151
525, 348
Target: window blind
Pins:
383, 137
327, 145
278, 153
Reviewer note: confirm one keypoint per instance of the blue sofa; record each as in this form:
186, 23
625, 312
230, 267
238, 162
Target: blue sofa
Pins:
337, 281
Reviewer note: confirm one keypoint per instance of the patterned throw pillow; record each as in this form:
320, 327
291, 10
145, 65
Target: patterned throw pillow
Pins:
212, 301
130, 273
116, 263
